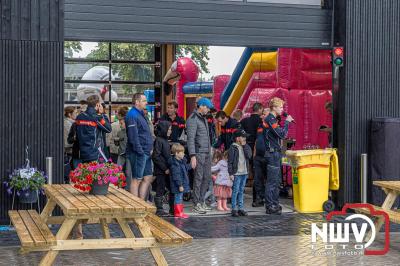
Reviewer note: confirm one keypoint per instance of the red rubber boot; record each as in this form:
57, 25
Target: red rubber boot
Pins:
178, 208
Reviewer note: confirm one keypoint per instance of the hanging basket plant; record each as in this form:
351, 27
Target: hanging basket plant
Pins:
26, 183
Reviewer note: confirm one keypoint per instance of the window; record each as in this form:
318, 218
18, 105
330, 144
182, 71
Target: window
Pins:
114, 70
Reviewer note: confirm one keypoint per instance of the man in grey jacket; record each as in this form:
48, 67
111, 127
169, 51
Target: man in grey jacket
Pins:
198, 141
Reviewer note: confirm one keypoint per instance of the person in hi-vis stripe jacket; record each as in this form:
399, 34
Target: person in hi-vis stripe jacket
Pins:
90, 127
273, 135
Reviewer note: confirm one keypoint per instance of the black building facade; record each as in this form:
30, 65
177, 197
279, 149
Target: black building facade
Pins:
31, 89
368, 83
32, 64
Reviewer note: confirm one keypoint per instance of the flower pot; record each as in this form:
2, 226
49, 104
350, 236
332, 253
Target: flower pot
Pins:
28, 196
99, 189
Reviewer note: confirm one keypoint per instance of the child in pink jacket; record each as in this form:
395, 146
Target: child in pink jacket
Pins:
223, 183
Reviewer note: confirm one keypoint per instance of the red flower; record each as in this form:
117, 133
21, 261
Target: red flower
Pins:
86, 174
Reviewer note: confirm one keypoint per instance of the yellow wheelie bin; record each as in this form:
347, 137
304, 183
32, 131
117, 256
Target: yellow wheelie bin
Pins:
314, 173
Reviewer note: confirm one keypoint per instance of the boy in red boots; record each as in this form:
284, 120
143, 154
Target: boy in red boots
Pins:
179, 178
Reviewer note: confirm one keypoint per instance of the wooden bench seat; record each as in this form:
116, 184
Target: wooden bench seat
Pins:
166, 233
31, 229
394, 215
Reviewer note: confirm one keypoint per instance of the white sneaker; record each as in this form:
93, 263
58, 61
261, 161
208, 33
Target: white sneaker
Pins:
199, 209
206, 207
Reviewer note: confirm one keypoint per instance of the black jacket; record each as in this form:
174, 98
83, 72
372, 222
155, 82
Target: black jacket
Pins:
233, 158
273, 133
250, 125
211, 129
162, 151
90, 127
260, 145
73, 139
178, 126
226, 134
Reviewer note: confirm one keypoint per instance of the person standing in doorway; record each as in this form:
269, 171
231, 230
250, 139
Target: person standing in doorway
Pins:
237, 115
112, 139
250, 125
199, 147
139, 147
179, 181
90, 127
326, 128
161, 155
120, 141
69, 119
228, 127
273, 135
238, 164
211, 126
177, 122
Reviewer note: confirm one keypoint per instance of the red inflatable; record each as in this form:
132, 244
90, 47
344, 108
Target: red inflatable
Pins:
304, 81
220, 82
183, 70
263, 80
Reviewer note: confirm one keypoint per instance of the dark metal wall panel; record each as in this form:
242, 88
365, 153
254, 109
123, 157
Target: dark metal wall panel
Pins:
31, 109
369, 82
199, 22
32, 20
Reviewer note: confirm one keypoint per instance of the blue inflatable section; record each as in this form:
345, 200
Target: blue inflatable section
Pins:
149, 95
150, 98
198, 87
238, 71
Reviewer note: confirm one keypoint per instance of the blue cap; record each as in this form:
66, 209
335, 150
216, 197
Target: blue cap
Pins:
205, 102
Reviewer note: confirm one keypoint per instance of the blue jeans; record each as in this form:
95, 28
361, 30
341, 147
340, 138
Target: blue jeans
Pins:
178, 198
238, 191
274, 178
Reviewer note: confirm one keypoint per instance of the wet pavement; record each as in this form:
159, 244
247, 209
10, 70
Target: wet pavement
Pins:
220, 239
275, 250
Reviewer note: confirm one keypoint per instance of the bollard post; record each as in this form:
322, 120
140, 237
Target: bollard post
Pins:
49, 173
364, 177
49, 169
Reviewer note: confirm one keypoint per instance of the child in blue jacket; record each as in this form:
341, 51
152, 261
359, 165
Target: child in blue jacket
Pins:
179, 178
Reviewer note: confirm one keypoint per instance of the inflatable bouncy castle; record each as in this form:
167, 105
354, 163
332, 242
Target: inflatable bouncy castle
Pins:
301, 77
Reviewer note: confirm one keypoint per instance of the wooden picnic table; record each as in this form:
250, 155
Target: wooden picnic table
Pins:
117, 206
392, 190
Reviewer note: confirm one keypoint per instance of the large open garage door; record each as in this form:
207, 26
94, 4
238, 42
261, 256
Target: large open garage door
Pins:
235, 23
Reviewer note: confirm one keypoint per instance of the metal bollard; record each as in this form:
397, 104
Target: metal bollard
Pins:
49, 173
49, 169
364, 177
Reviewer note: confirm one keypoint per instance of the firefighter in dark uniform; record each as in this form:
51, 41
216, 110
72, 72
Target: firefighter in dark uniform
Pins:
211, 126
273, 135
251, 125
177, 122
228, 127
